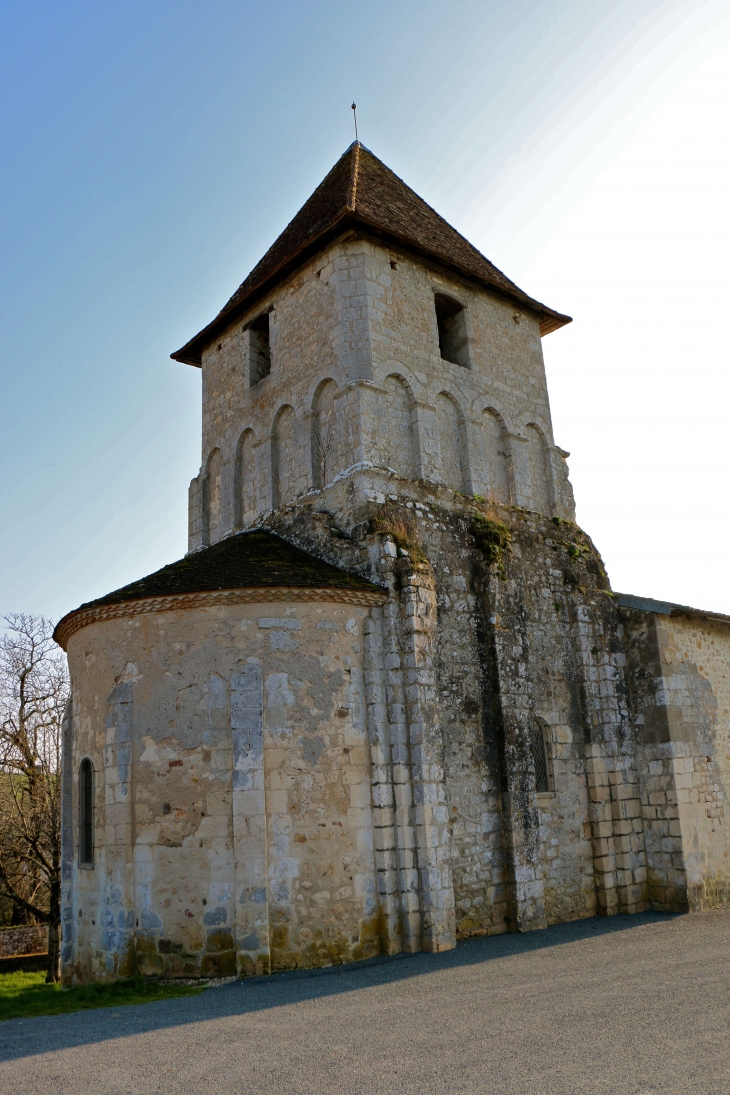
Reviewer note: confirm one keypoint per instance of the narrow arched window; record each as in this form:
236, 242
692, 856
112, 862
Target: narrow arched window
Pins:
86, 813
540, 744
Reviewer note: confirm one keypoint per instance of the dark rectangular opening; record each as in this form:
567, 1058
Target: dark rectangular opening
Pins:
259, 349
451, 321
86, 813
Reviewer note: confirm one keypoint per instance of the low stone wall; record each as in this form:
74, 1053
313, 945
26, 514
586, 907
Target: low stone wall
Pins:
27, 939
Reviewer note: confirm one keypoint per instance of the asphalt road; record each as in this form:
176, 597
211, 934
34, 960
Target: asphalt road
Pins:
627, 1006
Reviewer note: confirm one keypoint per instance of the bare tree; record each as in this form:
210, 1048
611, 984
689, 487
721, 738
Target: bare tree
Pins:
34, 691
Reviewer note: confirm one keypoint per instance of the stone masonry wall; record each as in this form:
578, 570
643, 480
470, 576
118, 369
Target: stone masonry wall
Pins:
292, 786
233, 826
680, 671
26, 939
535, 637
705, 644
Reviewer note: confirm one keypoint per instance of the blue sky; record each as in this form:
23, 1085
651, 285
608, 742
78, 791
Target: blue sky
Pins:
153, 151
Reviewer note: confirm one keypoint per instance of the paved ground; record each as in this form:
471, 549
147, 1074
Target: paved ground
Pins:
626, 1006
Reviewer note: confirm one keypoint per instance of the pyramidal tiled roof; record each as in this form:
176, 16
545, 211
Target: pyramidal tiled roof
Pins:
361, 191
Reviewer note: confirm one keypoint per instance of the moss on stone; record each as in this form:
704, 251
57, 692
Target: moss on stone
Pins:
493, 539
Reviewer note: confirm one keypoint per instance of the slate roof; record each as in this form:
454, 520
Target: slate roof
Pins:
667, 608
361, 192
256, 560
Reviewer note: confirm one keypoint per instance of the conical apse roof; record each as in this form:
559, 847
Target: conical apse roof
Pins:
360, 191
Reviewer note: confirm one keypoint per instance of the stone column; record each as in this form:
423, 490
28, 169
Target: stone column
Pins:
520, 470
384, 812
425, 732
249, 823
611, 771
363, 423
400, 772
263, 475
520, 814
195, 514
426, 443
476, 473
228, 489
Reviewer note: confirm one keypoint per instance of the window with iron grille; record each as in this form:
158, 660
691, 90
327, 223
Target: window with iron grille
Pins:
540, 742
86, 813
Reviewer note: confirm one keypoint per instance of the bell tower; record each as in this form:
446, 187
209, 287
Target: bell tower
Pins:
373, 352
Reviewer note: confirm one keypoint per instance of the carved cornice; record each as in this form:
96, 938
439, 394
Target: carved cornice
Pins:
185, 602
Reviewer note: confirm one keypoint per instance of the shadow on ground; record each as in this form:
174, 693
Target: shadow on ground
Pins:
44, 1034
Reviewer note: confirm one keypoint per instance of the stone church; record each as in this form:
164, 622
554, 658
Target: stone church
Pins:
388, 699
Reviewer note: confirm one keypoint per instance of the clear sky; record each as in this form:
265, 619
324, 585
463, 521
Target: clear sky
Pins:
153, 150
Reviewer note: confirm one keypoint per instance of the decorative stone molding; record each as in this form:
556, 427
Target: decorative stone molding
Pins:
185, 602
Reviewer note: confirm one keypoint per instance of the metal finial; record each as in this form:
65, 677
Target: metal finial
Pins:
354, 115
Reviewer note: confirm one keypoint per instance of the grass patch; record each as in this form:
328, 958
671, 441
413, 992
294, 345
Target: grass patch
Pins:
404, 532
26, 994
579, 551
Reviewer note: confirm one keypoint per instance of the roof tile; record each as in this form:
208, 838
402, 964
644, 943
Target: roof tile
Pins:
256, 559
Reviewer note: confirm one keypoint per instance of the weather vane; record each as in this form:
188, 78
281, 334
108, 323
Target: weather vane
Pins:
354, 115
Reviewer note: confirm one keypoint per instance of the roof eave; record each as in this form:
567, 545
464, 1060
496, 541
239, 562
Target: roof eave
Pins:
668, 608
192, 352
550, 320
553, 321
